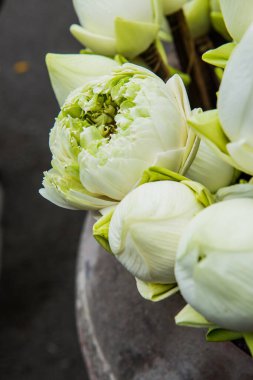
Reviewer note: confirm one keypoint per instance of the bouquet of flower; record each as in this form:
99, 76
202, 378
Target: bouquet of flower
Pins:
170, 187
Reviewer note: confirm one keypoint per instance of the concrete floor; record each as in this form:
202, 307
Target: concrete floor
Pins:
38, 337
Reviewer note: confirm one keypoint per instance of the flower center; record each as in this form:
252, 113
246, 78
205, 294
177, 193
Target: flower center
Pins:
97, 110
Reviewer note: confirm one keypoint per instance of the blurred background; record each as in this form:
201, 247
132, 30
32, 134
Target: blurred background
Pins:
39, 240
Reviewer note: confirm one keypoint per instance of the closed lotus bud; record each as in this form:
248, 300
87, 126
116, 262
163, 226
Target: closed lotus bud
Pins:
197, 13
214, 264
109, 27
147, 225
111, 130
210, 170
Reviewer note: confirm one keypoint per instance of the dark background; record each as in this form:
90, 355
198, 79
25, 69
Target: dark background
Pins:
38, 337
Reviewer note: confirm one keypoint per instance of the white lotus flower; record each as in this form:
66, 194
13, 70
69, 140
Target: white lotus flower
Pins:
146, 227
109, 131
117, 26
214, 264
210, 170
238, 15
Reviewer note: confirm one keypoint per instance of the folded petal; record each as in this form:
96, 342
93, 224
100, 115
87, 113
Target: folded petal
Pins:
98, 43
70, 71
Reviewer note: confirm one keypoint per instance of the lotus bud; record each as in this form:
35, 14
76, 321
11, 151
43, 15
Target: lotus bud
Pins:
111, 130
197, 14
214, 264
109, 27
146, 227
210, 170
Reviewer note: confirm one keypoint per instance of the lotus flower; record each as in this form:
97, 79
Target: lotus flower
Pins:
214, 264
146, 227
112, 129
109, 27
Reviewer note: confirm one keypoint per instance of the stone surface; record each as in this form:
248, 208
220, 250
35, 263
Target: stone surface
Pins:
38, 337
124, 337
1, 232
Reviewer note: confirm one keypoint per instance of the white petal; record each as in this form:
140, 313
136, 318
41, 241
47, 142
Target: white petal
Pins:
210, 170
242, 154
113, 179
146, 227
235, 102
98, 16
238, 15
70, 71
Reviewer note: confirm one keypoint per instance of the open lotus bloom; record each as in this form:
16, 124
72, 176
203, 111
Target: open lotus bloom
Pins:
146, 227
214, 264
112, 129
109, 27
229, 131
